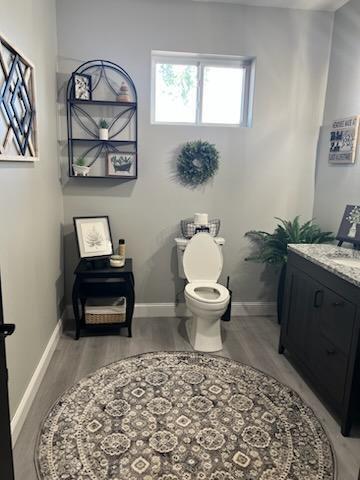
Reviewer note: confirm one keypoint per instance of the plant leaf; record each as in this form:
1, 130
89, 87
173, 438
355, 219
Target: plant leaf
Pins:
272, 247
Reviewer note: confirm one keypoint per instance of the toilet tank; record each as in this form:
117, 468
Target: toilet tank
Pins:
181, 244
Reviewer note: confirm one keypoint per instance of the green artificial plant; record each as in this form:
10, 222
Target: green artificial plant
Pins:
81, 162
103, 123
197, 162
272, 247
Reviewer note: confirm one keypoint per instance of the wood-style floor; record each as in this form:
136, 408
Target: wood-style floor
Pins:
252, 340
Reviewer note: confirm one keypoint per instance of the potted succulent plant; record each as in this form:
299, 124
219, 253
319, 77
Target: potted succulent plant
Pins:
272, 247
80, 168
103, 130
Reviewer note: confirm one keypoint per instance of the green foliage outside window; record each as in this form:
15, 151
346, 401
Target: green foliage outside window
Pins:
183, 81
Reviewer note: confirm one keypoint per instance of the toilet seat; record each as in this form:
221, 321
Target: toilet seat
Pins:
193, 290
203, 260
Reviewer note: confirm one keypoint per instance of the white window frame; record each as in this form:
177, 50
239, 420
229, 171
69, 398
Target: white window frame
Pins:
202, 61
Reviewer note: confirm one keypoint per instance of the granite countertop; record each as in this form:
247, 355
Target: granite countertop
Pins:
327, 256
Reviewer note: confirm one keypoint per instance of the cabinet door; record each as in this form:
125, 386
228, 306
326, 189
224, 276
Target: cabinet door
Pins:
331, 336
337, 320
329, 368
305, 297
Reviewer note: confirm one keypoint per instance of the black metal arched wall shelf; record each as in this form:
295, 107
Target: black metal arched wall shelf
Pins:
99, 92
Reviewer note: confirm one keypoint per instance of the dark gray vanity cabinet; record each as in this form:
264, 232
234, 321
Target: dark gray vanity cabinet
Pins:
320, 330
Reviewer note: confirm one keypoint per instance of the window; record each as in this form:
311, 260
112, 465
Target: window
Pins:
201, 90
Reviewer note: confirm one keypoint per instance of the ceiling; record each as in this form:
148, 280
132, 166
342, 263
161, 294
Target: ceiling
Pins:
328, 5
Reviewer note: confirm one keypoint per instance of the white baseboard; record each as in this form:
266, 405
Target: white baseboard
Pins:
19, 418
149, 310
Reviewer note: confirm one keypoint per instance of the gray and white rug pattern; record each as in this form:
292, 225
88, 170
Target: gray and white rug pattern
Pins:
182, 416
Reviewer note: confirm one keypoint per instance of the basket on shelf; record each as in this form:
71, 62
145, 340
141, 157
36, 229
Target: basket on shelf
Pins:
104, 314
188, 227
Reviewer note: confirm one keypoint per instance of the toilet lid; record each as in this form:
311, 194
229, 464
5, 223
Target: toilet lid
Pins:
202, 259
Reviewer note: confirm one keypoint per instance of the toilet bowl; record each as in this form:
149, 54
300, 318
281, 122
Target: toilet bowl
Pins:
205, 298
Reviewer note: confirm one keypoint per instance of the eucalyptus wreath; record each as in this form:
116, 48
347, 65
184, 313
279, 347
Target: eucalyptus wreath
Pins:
197, 162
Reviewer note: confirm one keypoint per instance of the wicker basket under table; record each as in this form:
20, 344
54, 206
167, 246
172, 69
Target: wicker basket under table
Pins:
103, 315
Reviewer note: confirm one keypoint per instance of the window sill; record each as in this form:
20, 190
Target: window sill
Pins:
206, 125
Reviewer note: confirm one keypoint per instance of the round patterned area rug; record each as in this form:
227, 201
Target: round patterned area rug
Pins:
182, 416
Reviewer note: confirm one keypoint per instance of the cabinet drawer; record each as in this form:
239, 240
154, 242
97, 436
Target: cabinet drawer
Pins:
337, 320
330, 368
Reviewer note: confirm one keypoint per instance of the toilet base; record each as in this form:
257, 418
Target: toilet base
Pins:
204, 334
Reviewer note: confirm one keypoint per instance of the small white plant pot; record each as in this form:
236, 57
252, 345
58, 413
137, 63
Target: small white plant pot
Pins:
80, 170
103, 133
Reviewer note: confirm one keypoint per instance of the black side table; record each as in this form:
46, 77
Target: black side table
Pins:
96, 278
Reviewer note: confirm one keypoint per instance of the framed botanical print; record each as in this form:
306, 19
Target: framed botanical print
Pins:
93, 236
82, 86
349, 230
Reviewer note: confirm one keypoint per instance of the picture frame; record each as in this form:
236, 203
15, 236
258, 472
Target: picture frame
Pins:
121, 164
82, 86
349, 230
93, 236
18, 118
344, 140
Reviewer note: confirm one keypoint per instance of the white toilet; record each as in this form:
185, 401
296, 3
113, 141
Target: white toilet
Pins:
206, 299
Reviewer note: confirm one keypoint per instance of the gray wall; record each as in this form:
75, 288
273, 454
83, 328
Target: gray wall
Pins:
266, 171
31, 204
338, 185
